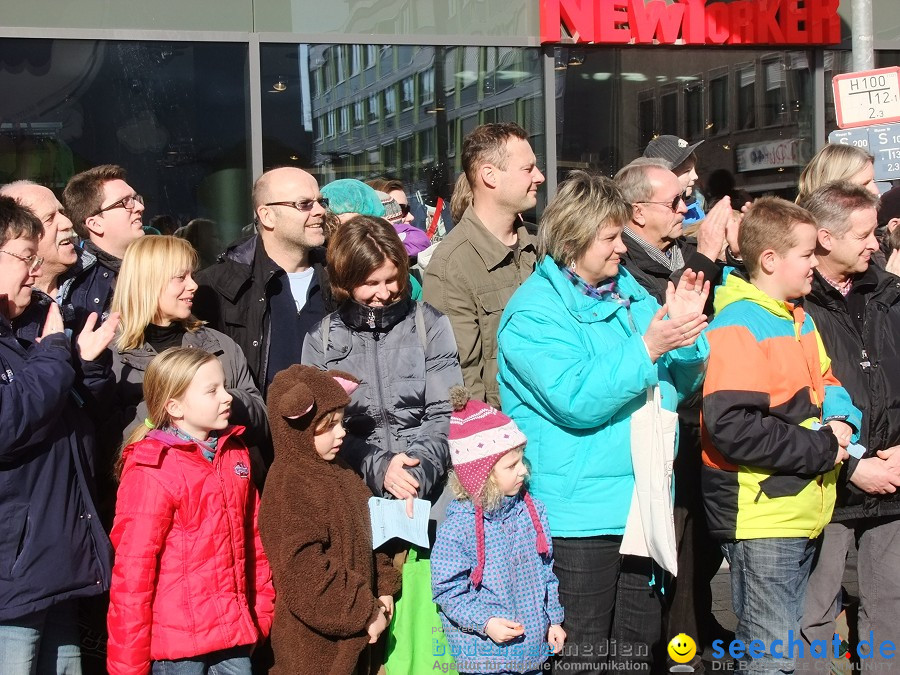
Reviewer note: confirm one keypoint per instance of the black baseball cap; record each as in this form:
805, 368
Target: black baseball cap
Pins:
670, 148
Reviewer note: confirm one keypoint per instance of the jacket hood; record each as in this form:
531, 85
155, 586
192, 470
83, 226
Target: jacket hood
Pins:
508, 505
737, 288
298, 399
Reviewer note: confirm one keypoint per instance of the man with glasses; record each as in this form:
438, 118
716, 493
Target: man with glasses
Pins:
54, 552
268, 290
658, 252
108, 214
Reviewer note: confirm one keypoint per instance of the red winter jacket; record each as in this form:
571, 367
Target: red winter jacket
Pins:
190, 575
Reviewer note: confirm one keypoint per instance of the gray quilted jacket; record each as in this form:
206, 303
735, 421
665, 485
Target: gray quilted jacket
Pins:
402, 403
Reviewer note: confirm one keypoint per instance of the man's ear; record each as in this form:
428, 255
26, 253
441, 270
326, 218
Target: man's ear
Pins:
767, 260
94, 225
892, 223
488, 175
825, 239
637, 214
264, 216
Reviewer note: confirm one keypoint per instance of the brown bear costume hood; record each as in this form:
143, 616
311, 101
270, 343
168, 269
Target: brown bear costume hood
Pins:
298, 399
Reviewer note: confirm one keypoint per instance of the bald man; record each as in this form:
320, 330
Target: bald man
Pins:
269, 289
66, 267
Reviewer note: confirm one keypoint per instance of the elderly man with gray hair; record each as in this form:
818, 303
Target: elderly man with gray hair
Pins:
659, 253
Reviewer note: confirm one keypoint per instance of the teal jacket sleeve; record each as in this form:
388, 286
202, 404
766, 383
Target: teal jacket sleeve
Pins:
688, 367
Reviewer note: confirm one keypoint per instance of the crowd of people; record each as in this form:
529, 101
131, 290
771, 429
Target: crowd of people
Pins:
598, 413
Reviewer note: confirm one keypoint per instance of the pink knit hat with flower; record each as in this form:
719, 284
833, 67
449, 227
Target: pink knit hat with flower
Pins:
479, 436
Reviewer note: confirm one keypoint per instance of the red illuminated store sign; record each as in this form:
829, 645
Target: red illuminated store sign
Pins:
692, 22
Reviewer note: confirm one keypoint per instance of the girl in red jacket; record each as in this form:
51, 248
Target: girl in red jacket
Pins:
191, 588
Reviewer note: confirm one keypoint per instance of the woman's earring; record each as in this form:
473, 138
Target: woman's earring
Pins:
572, 266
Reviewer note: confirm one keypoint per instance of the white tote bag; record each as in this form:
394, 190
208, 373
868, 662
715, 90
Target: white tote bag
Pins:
650, 528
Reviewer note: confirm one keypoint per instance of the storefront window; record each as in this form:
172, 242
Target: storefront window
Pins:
718, 104
657, 90
773, 104
695, 120
173, 114
746, 90
423, 102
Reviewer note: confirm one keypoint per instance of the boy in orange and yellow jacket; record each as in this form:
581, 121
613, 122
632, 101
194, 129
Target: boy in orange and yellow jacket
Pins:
768, 478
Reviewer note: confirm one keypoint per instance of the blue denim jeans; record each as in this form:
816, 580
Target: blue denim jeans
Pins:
768, 588
42, 643
234, 661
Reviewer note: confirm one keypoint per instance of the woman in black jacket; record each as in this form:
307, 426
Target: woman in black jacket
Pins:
402, 351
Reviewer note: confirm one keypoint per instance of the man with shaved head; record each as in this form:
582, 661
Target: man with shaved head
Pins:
269, 289
64, 263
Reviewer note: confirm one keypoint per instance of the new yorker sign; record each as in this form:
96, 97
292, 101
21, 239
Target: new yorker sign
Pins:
692, 22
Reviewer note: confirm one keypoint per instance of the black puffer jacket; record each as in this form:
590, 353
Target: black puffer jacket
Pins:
235, 293
402, 403
865, 357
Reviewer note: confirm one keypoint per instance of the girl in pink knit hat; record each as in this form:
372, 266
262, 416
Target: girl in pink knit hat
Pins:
492, 564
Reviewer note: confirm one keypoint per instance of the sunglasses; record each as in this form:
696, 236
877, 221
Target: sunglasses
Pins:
303, 204
673, 206
404, 209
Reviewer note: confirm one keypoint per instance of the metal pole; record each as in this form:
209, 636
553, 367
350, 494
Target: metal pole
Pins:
863, 36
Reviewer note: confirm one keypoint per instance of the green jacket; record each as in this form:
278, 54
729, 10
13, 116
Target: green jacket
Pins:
470, 278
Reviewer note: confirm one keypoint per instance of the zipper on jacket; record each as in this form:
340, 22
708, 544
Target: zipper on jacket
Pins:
384, 417
216, 467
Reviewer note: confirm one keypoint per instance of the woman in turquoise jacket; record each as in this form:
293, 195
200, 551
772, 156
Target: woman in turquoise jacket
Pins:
580, 343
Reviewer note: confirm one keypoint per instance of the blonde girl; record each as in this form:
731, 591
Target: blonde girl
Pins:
492, 563
191, 582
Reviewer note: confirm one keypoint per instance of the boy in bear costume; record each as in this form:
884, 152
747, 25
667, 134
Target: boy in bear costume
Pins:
333, 593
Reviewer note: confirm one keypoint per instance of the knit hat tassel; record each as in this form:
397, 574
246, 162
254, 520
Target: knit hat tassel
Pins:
542, 546
479, 545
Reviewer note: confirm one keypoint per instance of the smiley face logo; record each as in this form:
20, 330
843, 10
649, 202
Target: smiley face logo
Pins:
682, 648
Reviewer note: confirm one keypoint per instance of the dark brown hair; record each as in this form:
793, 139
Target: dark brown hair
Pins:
486, 144
359, 247
83, 195
17, 221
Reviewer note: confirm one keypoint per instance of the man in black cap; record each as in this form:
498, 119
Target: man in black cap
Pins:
683, 160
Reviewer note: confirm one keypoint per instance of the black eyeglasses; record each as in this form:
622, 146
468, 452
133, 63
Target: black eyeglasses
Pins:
126, 203
303, 204
34, 262
404, 209
673, 206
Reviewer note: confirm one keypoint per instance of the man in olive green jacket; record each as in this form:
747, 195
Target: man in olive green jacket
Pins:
489, 253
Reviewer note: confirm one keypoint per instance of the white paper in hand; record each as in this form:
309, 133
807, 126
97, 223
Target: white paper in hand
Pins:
389, 520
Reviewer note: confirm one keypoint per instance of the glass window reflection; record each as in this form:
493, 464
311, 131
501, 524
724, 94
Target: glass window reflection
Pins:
173, 114
408, 122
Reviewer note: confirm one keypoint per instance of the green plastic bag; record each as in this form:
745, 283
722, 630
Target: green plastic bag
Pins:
416, 641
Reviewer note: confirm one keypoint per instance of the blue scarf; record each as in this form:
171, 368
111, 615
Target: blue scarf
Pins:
607, 292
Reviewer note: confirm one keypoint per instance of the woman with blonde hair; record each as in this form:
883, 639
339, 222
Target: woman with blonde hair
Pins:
154, 294
836, 162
